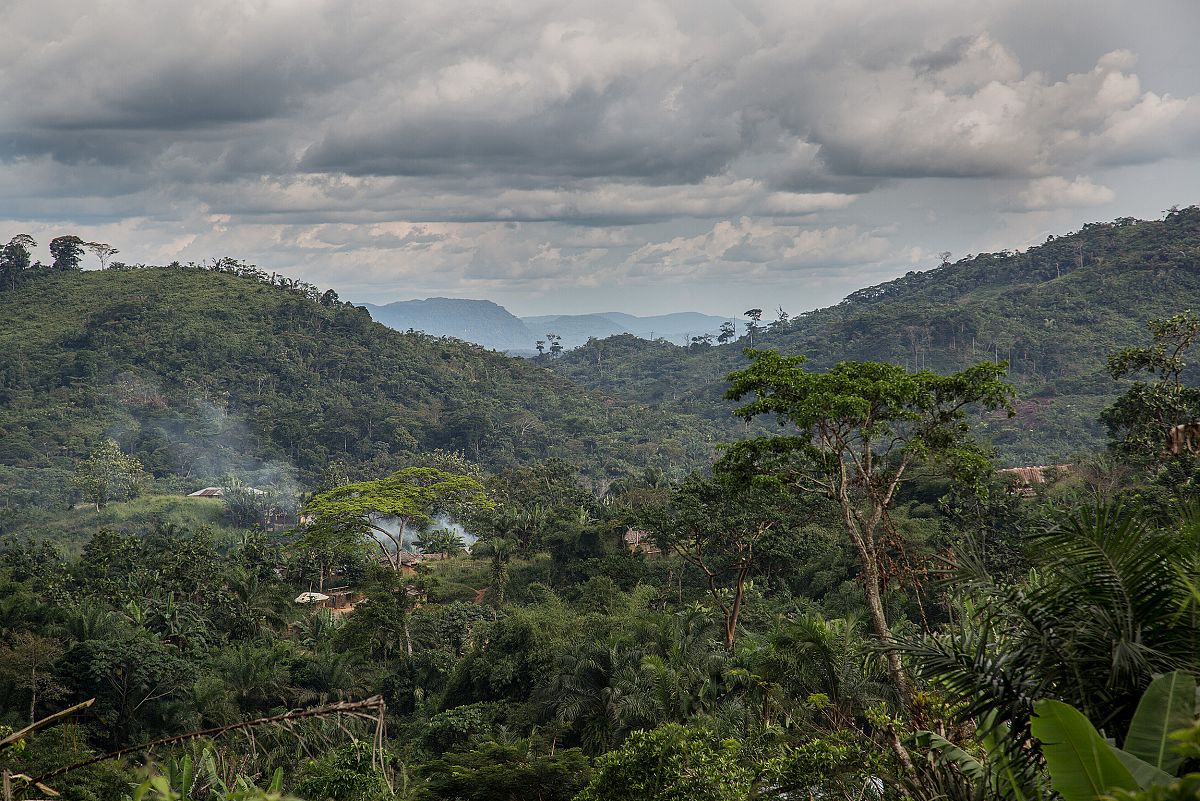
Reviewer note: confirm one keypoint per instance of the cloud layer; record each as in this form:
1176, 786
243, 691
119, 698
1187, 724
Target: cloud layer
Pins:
526, 148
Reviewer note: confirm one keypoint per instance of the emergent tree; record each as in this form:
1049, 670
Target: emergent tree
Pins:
856, 433
67, 252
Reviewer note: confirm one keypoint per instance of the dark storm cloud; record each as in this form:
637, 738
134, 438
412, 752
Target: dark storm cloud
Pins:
642, 91
586, 135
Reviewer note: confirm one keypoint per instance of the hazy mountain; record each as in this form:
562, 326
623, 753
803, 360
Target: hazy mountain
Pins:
493, 326
576, 329
479, 321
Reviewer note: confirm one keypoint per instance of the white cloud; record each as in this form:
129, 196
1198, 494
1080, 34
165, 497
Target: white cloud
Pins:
1056, 192
748, 245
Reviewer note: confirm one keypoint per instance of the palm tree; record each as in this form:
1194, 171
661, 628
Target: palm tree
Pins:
1108, 605
685, 665
259, 603
254, 675
329, 674
603, 693
443, 541
823, 663
87, 621
500, 544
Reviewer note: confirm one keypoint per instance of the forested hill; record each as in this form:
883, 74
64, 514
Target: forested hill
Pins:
201, 373
1053, 312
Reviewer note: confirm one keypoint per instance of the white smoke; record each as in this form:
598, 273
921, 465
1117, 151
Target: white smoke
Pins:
412, 534
443, 521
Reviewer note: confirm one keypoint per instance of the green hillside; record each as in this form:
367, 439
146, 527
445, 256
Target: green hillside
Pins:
201, 373
1053, 312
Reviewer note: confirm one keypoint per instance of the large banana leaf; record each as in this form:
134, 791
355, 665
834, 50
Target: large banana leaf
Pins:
1169, 704
1145, 774
1082, 766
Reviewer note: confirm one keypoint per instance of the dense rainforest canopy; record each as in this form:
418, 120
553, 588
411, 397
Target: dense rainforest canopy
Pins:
204, 372
419, 570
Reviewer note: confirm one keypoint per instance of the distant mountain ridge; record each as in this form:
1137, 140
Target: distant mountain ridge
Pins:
493, 326
479, 321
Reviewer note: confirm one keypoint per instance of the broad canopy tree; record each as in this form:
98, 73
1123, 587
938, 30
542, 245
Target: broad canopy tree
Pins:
385, 510
856, 433
15, 260
67, 252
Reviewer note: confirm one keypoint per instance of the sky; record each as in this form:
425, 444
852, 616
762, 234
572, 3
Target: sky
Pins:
573, 157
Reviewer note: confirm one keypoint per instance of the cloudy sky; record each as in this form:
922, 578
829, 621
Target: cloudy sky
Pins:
564, 156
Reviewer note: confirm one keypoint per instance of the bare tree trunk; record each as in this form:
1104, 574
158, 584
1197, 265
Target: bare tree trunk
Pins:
735, 610
865, 544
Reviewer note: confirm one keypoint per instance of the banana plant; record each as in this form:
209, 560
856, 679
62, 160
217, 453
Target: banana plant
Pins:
1084, 766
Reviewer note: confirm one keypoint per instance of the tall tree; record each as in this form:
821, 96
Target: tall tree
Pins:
856, 433
15, 259
673, 763
28, 662
753, 327
102, 251
67, 252
1140, 420
443, 541
728, 332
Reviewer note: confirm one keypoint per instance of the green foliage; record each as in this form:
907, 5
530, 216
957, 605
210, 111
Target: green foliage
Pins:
107, 474
349, 773
1082, 765
856, 434
411, 497
67, 251
1139, 418
462, 725
1099, 617
878, 415
1053, 312
838, 765
199, 779
671, 763
504, 673
717, 524
496, 772
1168, 705
28, 662
207, 372
440, 541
